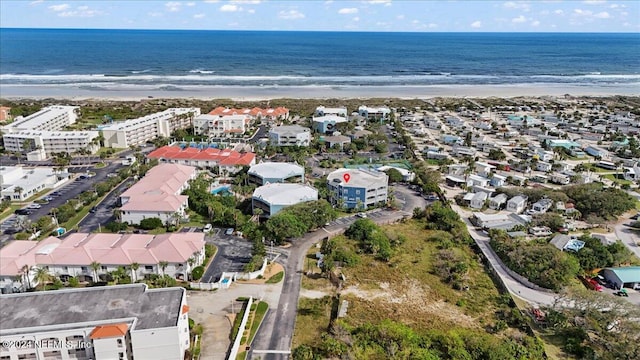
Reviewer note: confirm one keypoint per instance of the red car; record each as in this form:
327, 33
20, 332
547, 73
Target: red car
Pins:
594, 285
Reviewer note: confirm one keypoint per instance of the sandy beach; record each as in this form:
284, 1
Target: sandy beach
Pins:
254, 93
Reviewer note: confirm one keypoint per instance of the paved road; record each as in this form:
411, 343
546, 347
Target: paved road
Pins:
276, 333
513, 286
70, 190
104, 211
629, 237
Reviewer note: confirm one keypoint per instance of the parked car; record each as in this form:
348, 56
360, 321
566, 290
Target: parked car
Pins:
23, 212
229, 231
207, 228
591, 284
34, 206
361, 215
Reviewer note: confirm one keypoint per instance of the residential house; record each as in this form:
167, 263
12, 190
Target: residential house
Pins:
517, 204
498, 202
484, 169
596, 152
543, 166
498, 180
476, 180
542, 206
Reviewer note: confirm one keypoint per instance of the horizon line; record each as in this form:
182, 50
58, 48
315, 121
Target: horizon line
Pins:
330, 31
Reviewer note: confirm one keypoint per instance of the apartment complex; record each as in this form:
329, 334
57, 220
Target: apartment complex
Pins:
220, 125
73, 256
39, 145
357, 188
138, 131
272, 198
274, 172
158, 195
256, 113
5, 113
39, 135
290, 135
226, 160
111, 322
51, 118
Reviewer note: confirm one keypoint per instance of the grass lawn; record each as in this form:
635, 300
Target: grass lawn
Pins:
612, 177
276, 278
100, 165
312, 320
9, 211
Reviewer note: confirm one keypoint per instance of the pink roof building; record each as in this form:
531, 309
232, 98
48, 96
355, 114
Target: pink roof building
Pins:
158, 194
79, 250
225, 158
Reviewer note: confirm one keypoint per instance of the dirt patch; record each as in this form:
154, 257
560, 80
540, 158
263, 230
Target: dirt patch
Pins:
216, 324
314, 294
411, 300
271, 270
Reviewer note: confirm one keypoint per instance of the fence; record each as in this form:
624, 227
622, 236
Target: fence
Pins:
236, 342
227, 278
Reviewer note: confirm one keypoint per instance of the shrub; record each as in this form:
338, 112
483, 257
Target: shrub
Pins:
150, 223
22, 236
197, 272
73, 282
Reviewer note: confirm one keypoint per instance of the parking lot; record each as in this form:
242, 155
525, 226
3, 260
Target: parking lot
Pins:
233, 254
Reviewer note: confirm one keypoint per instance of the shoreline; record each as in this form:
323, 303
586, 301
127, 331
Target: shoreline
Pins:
260, 93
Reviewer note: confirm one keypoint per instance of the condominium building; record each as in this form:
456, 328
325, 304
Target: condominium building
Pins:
109, 322
372, 113
138, 131
272, 198
227, 160
51, 118
158, 195
5, 113
290, 135
39, 145
256, 113
73, 256
357, 188
274, 172
221, 125
324, 111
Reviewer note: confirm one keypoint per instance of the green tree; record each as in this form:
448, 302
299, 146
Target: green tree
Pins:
95, 266
42, 277
394, 175
150, 223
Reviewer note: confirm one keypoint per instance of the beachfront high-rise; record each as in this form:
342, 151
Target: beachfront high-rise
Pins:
41, 134
138, 131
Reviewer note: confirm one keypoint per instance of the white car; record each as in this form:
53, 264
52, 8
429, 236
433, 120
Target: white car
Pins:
34, 206
229, 231
207, 228
361, 215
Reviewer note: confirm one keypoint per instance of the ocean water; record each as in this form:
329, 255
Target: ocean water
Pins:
100, 59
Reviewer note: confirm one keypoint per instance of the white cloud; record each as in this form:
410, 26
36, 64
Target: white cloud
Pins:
61, 7
80, 11
612, 6
36, 2
230, 8
544, 12
476, 24
344, 11
374, 2
519, 20
328, 2
558, 12
355, 19
520, 5
602, 15
211, 1
594, 2
291, 15
198, 16
246, 2
535, 23
251, 11
173, 6
155, 14
582, 12
432, 25
400, 17
190, 4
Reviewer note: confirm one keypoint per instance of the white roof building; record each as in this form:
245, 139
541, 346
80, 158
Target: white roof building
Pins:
51, 118
275, 172
272, 198
290, 135
29, 181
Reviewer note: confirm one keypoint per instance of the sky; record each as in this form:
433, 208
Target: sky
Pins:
321, 15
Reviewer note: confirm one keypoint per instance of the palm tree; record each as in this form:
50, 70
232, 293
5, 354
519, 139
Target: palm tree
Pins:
191, 261
25, 271
163, 265
18, 190
42, 276
95, 266
134, 271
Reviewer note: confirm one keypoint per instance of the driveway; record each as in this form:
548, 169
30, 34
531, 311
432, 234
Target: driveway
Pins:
104, 210
629, 237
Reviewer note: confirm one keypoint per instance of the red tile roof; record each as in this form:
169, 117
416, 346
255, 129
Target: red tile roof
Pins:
109, 331
255, 112
223, 157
